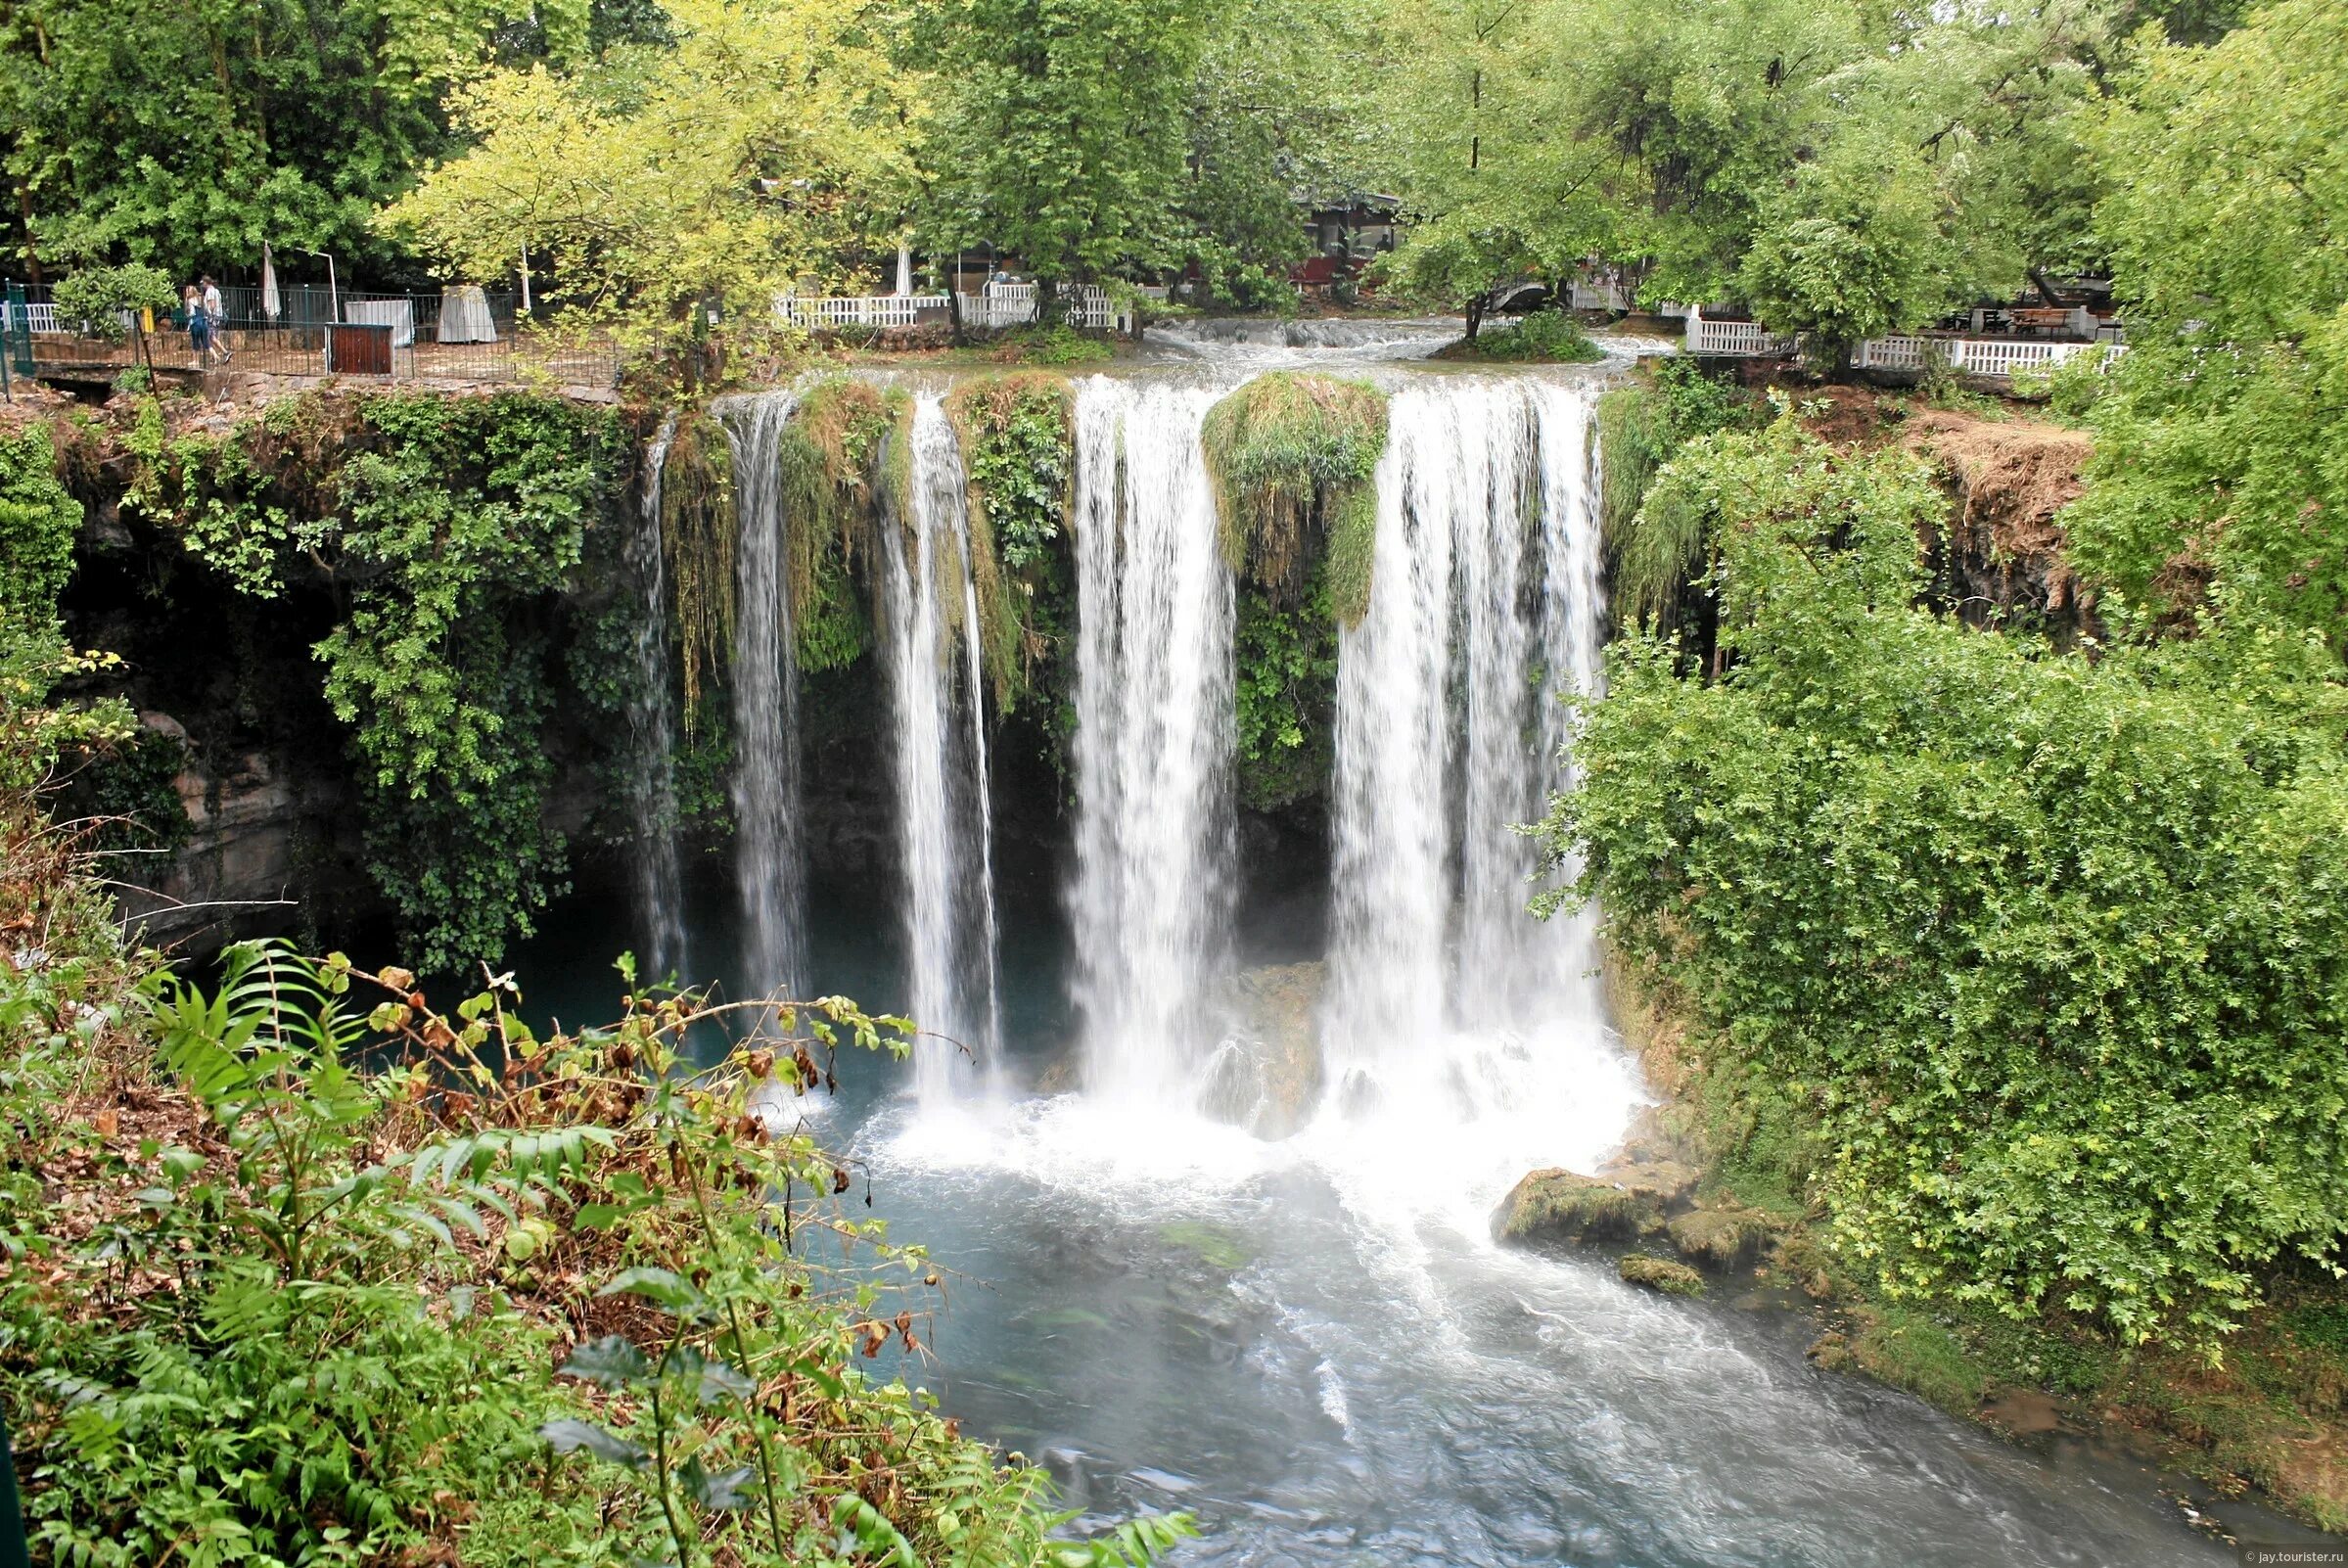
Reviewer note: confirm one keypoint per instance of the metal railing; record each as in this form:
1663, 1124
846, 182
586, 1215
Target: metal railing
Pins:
464, 335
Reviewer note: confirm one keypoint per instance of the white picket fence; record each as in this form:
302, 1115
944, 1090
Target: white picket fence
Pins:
832, 312
999, 304
1013, 304
1740, 339
1988, 359
1995, 358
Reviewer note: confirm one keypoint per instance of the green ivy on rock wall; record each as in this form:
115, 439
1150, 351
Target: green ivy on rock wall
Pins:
1283, 699
446, 529
38, 519
1019, 459
467, 511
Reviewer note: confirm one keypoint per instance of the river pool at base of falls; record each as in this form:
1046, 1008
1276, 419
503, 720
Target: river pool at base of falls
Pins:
1314, 1347
1312, 1344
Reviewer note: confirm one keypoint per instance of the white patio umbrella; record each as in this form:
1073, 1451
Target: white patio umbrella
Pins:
270, 303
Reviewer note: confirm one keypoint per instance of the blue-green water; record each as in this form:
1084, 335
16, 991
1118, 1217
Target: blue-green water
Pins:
1314, 1347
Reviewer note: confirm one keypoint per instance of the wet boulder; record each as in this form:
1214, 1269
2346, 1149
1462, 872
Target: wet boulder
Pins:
1723, 1238
1615, 1205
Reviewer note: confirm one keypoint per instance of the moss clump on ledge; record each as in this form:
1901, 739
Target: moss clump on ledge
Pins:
1660, 1274
843, 461
1293, 457
1019, 456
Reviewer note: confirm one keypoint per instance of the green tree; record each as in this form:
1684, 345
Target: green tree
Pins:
766, 145
2221, 470
1059, 130
187, 134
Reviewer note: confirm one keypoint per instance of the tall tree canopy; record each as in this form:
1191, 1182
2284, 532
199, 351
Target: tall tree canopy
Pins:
764, 141
1059, 132
190, 131
1843, 167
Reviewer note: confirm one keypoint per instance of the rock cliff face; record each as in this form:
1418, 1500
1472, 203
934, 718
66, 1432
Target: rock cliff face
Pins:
1266, 1076
263, 850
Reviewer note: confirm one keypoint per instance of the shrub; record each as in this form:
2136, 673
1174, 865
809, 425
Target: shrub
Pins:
1547, 337
97, 297
2053, 951
1056, 344
310, 1315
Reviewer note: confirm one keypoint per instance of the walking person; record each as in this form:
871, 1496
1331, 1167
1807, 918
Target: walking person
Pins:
199, 326
215, 316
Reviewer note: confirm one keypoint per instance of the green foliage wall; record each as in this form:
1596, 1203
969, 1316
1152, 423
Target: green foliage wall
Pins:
1654, 546
1283, 700
446, 531
1293, 457
468, 512
38, 520
1018, 455
2052, 954
842, 458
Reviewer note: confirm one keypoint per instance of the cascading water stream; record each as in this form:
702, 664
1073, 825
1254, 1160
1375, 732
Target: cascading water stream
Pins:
1151, 899
1483, 605
652, 731
945, 817
766, 685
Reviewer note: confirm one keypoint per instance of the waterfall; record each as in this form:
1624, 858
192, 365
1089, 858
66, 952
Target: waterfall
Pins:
1482, 602
765, 684
944, 804
652, 733
1151, 897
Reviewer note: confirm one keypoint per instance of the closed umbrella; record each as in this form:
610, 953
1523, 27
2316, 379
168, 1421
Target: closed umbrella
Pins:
270, 304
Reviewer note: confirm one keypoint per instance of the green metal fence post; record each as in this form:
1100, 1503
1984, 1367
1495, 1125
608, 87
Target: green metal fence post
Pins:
14, 1552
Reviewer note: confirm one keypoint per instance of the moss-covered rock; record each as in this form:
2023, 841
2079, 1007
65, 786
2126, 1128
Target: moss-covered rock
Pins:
1723, 1238
1293, 457
843, 462
1556, 1205
1660, 1274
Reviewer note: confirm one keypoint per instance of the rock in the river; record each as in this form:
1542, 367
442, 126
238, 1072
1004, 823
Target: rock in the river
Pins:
1660, 1274
1723, 1238
1613, 1206
1266, 1076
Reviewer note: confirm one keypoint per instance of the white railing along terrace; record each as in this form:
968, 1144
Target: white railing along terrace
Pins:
857, 310
999, 304
1992, 358
1734, 338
